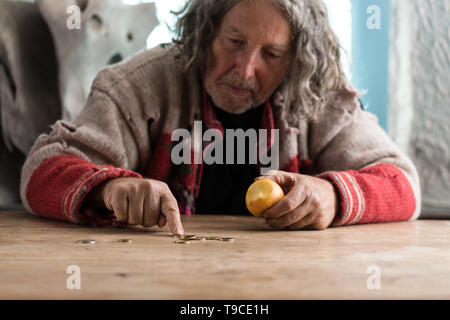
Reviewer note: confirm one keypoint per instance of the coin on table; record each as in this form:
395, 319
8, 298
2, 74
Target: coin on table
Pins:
198, 238
182, 242
188, 236
125, 240
86, 241
212, 238
226, 239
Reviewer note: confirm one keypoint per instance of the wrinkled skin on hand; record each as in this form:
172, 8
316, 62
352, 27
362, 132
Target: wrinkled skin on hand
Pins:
145, 202
310, 202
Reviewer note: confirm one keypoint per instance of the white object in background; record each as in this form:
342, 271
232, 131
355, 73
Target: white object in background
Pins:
340, 16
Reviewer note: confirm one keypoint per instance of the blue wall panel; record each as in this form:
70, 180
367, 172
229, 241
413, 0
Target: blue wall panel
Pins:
370, 54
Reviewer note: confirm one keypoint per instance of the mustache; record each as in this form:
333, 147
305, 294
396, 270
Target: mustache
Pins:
237, 82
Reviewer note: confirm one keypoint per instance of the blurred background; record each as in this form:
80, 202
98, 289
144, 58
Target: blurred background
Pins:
398, 51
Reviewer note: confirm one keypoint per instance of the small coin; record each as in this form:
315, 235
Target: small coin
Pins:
212, 238
188, 236
182, 242
86, 241
199, 238
125, 240
226, 239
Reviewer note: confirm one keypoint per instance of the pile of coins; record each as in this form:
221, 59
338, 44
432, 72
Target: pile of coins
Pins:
181, 239
91, 241
187, 238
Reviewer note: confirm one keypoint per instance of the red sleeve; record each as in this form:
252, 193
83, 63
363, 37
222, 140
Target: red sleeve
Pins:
380, 193
59, 185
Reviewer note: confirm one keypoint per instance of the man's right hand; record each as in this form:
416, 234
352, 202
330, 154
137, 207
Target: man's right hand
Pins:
145, 202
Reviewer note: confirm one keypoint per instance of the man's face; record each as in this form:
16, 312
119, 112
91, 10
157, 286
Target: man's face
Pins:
248, 57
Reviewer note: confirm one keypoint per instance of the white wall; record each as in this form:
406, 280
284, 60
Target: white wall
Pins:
420, 94
340, 16
162, 33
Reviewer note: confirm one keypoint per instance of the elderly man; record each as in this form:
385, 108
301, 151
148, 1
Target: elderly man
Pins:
256, 64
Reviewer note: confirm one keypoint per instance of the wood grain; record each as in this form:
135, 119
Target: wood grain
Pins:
414, 259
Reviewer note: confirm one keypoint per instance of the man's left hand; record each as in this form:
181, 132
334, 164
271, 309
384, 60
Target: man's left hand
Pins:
309, 202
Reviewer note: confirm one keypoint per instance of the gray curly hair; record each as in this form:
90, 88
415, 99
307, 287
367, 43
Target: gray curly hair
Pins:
316, 70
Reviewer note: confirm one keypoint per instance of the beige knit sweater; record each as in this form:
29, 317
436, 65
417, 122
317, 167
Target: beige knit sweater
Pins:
133, 103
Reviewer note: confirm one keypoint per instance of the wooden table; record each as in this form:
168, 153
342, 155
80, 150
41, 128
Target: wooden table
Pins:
413, 259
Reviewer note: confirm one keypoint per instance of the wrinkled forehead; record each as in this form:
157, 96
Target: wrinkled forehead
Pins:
261, 19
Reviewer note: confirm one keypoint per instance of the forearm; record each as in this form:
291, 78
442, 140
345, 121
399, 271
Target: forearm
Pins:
380, 193
63, 166
59, 185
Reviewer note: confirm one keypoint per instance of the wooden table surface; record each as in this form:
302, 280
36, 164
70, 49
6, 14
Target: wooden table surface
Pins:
413, 259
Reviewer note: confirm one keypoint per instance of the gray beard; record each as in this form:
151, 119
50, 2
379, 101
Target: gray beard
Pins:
227, 104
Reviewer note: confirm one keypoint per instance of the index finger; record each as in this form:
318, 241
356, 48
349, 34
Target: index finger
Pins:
169, 208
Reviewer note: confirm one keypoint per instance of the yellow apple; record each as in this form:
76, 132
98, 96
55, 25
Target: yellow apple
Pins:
262, 195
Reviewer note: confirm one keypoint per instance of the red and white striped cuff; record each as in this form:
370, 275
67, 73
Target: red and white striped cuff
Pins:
379, 193
59, 185
352, 202
74, 197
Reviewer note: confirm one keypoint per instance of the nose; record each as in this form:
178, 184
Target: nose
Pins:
247, 65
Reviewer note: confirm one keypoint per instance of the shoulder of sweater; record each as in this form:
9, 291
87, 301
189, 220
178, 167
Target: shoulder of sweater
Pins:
137, 71
342, 111
341, 108
152, 84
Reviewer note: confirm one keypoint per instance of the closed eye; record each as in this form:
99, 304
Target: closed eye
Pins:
235, 41
273, 55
